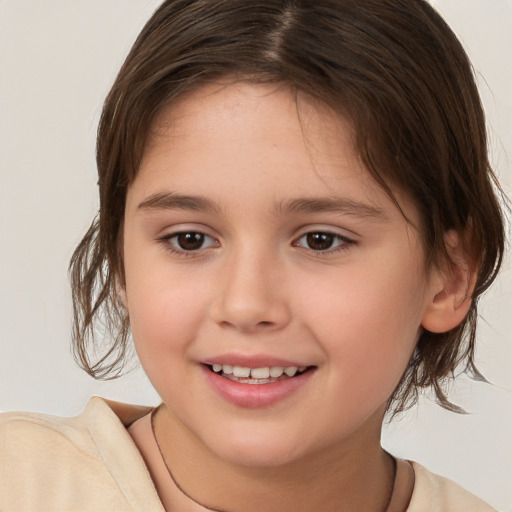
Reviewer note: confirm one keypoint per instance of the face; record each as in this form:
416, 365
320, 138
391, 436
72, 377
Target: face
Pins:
275, 292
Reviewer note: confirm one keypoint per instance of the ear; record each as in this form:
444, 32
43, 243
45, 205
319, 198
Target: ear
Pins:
450, 288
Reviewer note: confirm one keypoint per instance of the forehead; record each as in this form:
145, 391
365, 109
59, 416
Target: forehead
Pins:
267, 111
255, 135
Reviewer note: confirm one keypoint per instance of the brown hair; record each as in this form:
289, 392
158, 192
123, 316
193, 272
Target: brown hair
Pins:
392, 67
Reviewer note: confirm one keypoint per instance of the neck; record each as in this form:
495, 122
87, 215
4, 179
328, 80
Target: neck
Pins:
356, 476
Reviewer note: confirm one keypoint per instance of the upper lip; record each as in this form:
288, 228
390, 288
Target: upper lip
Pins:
255, 361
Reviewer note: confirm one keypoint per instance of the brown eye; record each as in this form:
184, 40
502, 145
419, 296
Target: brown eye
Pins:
323, 241
320, 241
190, 241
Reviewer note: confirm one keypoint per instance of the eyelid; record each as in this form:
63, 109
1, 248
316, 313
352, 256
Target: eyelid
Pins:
173, 230
327, 228
170, 233
347, 241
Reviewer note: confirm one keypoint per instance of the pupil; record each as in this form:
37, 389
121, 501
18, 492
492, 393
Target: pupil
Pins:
190, 241
320, 241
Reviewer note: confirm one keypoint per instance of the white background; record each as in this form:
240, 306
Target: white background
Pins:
57, 61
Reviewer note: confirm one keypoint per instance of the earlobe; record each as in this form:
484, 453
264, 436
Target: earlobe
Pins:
450, 288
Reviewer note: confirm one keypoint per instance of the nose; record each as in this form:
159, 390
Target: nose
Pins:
251, 295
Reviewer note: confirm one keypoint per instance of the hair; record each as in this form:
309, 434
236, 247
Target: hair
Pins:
393, 68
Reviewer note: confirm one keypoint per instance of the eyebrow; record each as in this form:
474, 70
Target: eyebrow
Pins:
335, 204
173, 201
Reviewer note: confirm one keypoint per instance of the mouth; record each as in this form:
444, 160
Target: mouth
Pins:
261, 375
248, 383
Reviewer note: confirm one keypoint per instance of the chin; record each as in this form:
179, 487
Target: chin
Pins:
259, 458
257, 449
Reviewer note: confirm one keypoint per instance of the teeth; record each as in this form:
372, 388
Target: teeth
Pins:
276, 371
227, 369
291, 371
239, 371
260, 373
257, 373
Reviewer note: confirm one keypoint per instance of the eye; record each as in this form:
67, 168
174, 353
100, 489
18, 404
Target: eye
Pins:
322, 241
189, 241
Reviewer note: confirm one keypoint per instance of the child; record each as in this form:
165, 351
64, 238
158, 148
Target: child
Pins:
297, 219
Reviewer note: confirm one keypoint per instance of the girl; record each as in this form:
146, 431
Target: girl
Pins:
297, 219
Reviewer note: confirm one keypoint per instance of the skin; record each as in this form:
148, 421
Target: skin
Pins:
257, 287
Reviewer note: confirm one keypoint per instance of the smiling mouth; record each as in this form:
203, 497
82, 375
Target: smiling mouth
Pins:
263, 375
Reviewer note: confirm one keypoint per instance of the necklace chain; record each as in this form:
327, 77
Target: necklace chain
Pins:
185, 493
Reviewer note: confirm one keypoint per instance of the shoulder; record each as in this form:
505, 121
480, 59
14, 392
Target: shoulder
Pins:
24, 432
29, 438
59, 462
434, 493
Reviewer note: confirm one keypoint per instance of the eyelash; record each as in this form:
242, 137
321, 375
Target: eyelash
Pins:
344, 243
167, 241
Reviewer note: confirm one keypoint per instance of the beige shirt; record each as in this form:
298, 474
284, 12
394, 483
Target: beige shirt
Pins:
89, 463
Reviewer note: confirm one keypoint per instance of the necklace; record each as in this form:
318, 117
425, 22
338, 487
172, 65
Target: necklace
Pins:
394, 501
185, 493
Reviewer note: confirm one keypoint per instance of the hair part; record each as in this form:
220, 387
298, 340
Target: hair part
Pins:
393, 68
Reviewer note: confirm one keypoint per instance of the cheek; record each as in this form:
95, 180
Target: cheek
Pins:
367, 323
164, 314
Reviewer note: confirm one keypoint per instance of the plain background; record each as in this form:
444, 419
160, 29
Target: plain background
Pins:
57, 61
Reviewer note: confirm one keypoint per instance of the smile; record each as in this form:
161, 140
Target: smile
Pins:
256, 387
262, 375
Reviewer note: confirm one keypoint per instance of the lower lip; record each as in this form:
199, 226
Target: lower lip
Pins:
255, 395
